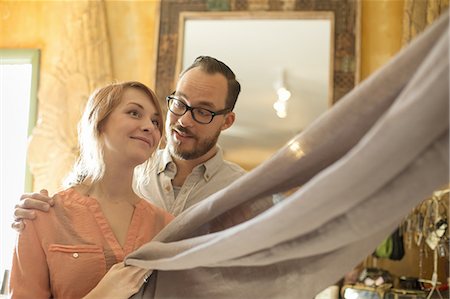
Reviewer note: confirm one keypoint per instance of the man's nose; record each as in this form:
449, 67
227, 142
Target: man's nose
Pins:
186, 120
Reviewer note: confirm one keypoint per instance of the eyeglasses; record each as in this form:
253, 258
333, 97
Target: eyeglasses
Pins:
200, 115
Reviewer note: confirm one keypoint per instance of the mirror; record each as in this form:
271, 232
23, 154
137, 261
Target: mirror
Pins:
272, 56
305, 52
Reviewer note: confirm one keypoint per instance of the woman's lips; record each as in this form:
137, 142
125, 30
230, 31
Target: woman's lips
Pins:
144, 139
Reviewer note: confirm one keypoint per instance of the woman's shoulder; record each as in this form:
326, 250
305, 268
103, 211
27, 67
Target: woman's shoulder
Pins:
71, 196
59, 207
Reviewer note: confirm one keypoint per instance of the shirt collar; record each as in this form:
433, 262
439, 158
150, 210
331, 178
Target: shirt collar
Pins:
210, 167
213, 165
165, 160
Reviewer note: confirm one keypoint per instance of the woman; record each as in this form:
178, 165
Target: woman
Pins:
99, 219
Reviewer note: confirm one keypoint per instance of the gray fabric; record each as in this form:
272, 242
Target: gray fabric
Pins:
359, 169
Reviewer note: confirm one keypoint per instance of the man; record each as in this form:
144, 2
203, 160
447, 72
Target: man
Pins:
191, 167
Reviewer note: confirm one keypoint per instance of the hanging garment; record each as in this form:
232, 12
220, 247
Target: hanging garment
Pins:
345, 183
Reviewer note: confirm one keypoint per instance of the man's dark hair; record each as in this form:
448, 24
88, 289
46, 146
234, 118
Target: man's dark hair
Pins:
212, 66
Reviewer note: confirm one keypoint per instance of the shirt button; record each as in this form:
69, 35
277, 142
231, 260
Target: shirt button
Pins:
75, 255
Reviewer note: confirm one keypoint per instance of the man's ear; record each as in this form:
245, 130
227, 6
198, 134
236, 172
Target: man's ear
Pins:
229, 120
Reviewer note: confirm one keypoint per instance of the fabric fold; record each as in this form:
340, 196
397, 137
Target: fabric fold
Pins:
358, 169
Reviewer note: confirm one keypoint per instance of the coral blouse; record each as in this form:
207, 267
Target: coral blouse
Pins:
65, 253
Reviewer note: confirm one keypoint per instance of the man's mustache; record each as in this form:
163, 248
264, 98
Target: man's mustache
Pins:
182, 130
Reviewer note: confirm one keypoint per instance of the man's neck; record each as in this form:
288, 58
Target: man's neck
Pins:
185, 167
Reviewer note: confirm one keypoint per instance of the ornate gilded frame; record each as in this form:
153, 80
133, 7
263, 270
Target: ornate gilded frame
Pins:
346, 30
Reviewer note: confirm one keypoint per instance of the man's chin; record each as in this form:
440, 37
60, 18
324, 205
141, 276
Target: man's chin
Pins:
182, 155
176, 151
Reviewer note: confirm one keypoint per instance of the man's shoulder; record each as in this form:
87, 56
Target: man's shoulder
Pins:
224, 166
233, 168
228, 172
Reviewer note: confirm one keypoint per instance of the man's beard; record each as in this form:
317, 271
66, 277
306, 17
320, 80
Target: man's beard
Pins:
201, 146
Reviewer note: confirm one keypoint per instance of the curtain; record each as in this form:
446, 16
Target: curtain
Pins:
305, 217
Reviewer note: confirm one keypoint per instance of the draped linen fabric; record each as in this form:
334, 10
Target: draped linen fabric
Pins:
345, 183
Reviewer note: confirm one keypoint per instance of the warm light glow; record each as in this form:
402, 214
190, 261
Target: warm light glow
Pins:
15, 88
282, 114
296, 149
350, 294
280, 108
283, 94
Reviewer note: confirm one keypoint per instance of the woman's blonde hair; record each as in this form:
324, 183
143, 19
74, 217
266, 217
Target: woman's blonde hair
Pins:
90, 166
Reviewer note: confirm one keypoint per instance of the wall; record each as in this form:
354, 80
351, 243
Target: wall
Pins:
132, 28
133, 32
381, 33
84, 45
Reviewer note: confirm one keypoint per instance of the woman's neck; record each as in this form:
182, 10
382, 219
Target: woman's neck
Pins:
114, 186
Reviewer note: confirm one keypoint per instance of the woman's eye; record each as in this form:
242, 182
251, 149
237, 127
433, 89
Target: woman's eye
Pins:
155, 122
134, 113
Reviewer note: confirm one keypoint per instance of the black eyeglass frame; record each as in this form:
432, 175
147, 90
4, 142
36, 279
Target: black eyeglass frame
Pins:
189, 108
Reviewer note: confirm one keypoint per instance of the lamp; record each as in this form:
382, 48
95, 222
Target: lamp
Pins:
283, 95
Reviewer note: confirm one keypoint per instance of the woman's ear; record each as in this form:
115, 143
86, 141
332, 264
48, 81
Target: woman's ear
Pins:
229, 120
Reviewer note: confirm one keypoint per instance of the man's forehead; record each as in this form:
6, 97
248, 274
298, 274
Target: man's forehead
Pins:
197, 85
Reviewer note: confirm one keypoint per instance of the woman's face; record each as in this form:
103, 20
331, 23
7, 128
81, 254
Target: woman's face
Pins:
131, 132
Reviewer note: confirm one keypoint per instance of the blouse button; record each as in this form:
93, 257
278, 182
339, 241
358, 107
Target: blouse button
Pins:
75, 255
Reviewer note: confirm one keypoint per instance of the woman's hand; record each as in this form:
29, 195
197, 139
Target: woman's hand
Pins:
120, 282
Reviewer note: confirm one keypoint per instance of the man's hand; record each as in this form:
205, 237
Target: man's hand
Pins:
29, 202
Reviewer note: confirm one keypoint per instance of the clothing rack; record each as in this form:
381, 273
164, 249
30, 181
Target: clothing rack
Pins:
427, 228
